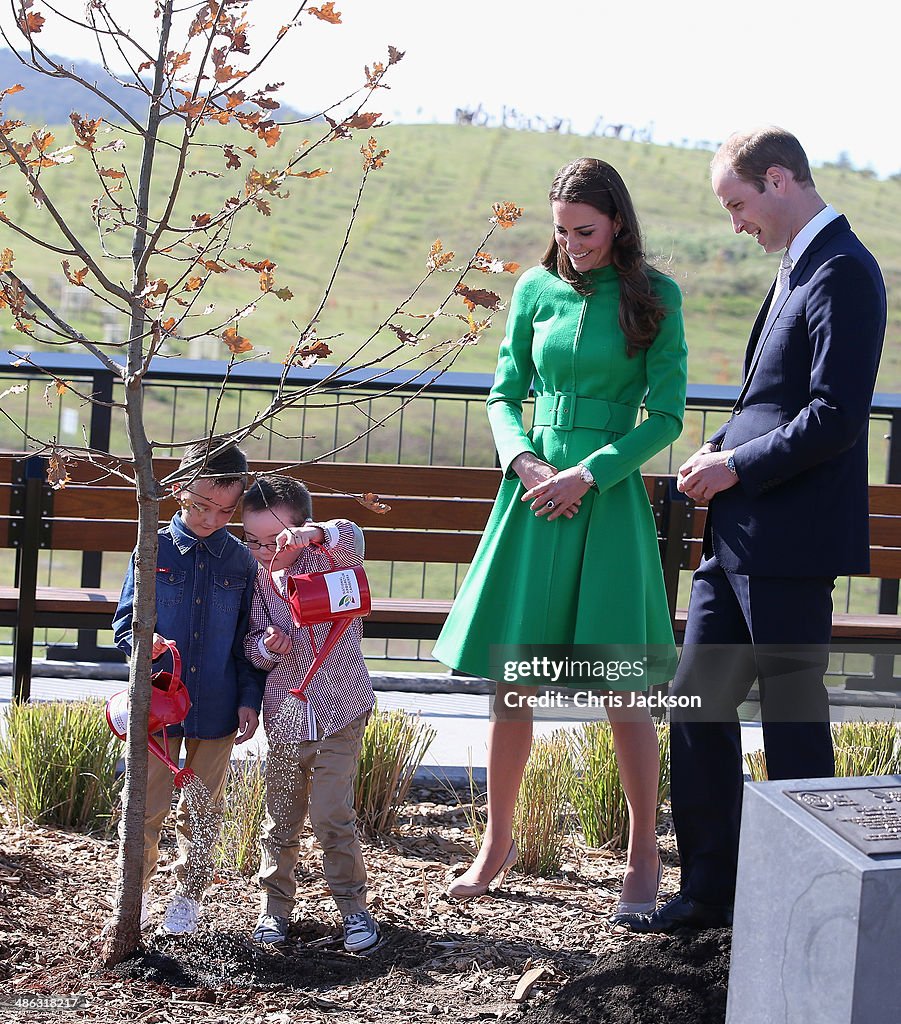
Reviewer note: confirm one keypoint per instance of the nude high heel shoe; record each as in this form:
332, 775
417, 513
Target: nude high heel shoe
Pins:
460, 890
642, 908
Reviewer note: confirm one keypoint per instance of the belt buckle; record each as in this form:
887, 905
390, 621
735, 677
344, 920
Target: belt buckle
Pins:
564, 410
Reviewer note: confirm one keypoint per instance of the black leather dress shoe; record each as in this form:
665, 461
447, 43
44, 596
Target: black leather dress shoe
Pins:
679, 912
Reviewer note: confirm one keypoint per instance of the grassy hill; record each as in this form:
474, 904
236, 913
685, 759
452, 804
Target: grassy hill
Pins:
439, 182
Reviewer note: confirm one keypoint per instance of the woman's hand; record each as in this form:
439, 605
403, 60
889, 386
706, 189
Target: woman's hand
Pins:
564, 491
531, 470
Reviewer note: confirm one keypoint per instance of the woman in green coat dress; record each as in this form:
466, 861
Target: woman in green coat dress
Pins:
569, 555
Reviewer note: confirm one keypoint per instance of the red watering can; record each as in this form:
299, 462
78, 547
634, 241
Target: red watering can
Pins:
335, 595
169, 705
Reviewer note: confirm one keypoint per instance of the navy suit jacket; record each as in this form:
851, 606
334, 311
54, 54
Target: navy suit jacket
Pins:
800, 427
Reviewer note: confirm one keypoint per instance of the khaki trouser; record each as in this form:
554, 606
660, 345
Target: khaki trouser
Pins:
319, 776
209, 760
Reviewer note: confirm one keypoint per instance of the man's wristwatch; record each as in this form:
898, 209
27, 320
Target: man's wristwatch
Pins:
585, 475
730, 465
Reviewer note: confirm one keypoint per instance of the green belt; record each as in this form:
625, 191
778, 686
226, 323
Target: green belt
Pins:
565, 411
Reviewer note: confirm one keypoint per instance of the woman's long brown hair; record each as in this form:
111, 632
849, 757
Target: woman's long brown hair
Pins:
596, 183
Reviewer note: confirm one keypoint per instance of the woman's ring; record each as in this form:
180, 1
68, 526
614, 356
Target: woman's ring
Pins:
549, 504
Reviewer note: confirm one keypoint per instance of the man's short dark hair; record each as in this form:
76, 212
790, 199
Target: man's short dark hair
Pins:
276, 490
751, 154
224, 469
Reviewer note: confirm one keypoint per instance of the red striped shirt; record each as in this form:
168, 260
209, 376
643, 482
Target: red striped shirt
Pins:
341, 690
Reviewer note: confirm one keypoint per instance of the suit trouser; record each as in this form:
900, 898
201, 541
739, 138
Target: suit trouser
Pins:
316, 776
741, 628
209, 760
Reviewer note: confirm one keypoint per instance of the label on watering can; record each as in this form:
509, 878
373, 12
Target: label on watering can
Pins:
117, 714
343, 590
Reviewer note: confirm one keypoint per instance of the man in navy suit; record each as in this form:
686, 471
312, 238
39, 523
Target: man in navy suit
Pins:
786, 483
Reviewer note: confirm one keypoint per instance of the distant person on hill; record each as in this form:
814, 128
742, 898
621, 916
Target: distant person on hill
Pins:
786, 483
204, 583
314, 744
569, 555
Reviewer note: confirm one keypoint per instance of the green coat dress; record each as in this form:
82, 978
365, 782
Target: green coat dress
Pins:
596, 578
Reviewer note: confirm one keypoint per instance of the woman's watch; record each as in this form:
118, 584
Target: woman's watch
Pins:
585, 475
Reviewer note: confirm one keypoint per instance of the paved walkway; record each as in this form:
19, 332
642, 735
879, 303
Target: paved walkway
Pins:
460, 720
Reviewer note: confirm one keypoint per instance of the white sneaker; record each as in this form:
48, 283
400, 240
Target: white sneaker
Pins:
360, 932
181, 916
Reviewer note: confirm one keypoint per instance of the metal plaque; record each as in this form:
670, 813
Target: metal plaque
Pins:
868, 819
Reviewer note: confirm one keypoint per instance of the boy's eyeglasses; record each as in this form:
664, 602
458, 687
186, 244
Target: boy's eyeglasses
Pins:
256, 545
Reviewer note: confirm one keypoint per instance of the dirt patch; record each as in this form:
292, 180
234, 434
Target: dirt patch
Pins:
457, 961
679, 979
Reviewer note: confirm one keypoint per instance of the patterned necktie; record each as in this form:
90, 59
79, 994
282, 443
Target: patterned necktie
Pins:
785, 269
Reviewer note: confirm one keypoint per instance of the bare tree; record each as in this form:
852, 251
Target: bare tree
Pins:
196, 75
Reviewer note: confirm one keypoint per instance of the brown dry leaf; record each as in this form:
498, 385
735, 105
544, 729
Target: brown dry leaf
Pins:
327, 13
404, 335
372, 502
478, 297
57, 474
193, 283
395, 55
371, 158
167, 325
527, 982
364, 121
108, 172
6, 260
284, 294
235, 342
200, 220
75, 277
11, 90
30, 23
309, 355
318, 173
506, 214
488, 264
267, 281
270, 133
437, 258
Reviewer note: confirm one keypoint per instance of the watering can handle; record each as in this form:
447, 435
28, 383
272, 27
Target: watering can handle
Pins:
176, 660
321, 547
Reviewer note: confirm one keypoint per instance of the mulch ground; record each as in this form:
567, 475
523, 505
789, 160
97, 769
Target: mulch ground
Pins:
438, 959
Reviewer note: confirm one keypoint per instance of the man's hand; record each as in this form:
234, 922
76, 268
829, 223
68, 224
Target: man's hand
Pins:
705, 474
541, 481
248, 720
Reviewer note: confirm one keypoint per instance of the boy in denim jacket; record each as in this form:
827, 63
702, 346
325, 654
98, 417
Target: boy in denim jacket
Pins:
204, 585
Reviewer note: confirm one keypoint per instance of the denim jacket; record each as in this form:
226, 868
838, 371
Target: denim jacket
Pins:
203, 593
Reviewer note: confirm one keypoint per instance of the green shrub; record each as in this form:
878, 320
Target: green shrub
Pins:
245, 807
394, 746
58, 764
540, 820
861, 748
597, 795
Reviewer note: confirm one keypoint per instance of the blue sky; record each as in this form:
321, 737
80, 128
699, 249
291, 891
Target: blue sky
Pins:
691, 70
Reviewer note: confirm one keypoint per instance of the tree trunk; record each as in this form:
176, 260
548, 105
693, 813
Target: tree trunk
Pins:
124, 936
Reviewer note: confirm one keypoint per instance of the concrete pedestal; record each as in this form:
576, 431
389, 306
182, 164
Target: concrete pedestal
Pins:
817, 931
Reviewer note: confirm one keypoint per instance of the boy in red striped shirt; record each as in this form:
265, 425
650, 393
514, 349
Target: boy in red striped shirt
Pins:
314, 745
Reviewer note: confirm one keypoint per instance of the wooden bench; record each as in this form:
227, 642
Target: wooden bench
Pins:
885, 564
437, 515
